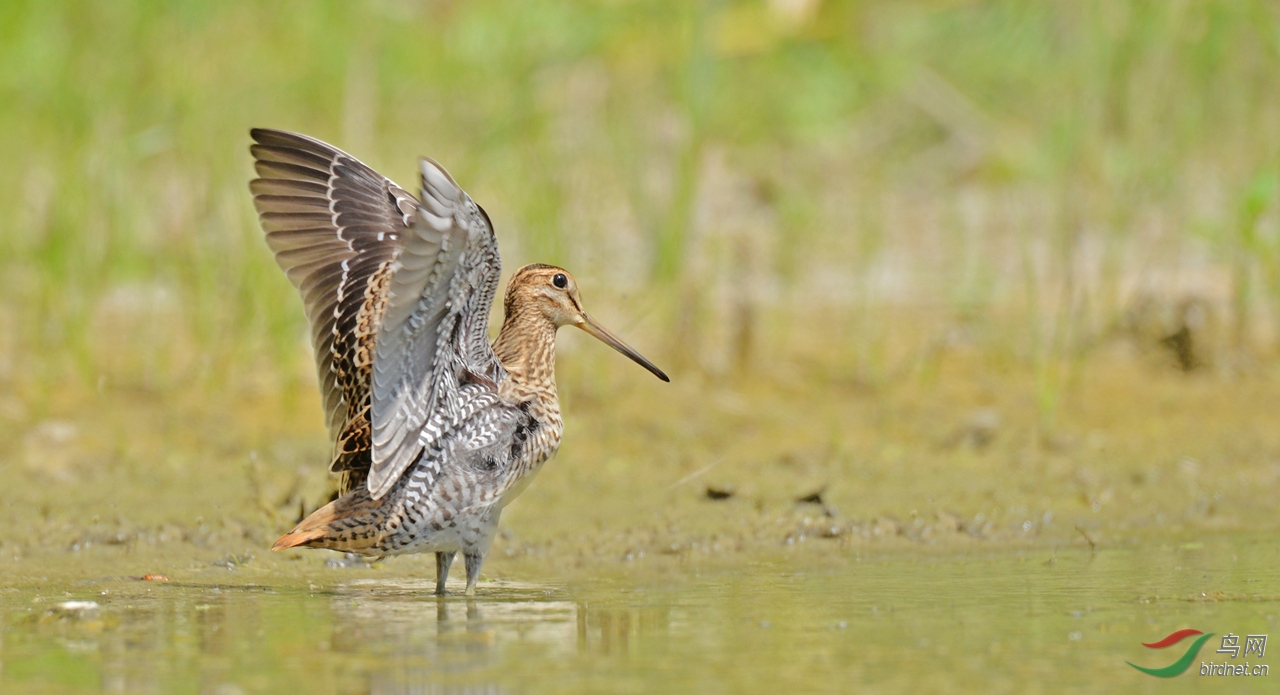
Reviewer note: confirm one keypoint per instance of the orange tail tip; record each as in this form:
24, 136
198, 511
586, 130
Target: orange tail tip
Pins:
295, 538
312, 530
331, 526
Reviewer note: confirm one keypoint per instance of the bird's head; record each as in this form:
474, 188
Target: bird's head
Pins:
552, 293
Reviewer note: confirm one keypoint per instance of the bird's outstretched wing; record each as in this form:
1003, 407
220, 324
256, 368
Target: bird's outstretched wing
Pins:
397, 292
336, 226
435, 327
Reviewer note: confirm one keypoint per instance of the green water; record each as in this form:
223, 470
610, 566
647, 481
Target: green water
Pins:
1008, 619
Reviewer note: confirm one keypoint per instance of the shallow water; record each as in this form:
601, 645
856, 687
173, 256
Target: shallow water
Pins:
939, 557
1011, 619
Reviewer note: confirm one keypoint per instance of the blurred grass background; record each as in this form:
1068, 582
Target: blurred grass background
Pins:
821, 199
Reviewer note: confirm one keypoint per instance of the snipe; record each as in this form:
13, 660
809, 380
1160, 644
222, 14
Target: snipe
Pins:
435, 430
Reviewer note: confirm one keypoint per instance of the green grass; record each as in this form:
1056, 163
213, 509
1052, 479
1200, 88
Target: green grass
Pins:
1018, 170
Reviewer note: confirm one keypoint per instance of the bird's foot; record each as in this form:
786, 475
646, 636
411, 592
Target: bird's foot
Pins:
473, 571
443, 560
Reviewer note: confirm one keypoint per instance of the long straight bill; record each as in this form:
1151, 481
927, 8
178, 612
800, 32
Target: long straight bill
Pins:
612, 341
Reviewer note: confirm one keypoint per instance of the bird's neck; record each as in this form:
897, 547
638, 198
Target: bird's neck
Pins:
526, 347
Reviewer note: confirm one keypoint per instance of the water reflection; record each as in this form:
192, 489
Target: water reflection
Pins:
455, 644
431, 645
362, 636
894, 623
614, 631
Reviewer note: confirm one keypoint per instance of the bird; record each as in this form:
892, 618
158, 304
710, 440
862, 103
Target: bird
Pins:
435, 429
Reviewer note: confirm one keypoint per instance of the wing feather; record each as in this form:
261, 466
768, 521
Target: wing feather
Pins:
314, 189
290, 154
335, 227
441, 289
397, 293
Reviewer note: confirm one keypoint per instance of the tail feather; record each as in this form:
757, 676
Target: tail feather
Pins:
352, 523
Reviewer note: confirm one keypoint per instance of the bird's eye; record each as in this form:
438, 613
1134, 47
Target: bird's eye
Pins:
560, 281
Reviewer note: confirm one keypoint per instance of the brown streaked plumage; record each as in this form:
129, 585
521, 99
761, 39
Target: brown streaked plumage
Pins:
435, 430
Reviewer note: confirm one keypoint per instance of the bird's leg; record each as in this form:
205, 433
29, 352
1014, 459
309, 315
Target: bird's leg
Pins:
473, 561
443, 560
